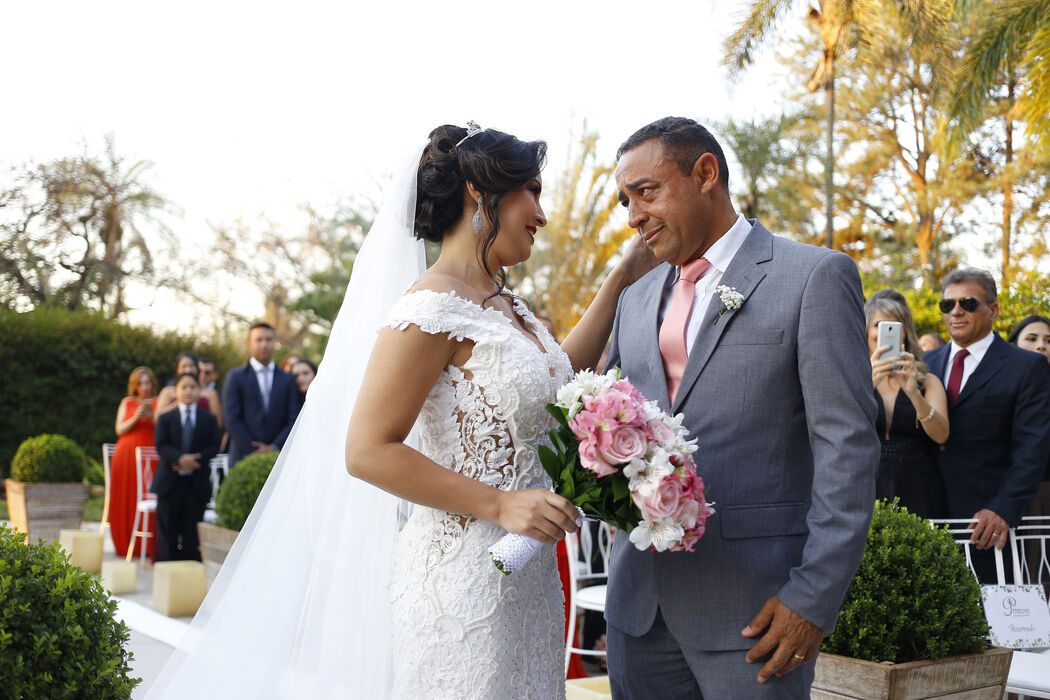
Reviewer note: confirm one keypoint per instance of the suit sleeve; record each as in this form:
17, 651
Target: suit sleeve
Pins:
167, 446
292, 401
210, 448
835, 375
613, 358
233, 410
1030, 444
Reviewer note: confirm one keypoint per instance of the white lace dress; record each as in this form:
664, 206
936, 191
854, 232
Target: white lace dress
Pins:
461, 629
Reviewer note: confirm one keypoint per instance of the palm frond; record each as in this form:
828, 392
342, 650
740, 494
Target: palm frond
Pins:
755, 27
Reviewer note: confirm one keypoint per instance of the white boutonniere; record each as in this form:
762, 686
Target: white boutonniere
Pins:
731, 300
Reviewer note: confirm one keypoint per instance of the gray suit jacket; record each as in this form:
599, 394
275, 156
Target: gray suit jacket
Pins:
778, 393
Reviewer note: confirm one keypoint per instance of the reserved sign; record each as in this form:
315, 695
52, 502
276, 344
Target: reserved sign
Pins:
1018, 616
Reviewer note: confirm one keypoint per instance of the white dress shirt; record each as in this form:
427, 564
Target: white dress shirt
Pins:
264, 376
977, 350
719, 255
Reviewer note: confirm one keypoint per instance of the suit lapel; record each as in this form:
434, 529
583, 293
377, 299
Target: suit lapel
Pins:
651, 302
743, 274
989, 366
939, 362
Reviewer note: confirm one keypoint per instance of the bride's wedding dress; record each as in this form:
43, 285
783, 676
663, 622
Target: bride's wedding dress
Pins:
460, 628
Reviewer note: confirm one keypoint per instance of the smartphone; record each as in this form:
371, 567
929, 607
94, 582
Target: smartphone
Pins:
890, 333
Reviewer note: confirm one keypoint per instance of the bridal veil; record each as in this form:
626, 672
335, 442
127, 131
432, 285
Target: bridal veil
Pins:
299, 609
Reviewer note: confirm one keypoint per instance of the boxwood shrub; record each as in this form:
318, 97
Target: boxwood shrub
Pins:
49, 459
239, 491
913, 596
58, 637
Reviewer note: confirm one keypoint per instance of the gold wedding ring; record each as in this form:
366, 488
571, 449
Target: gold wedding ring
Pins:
800, 658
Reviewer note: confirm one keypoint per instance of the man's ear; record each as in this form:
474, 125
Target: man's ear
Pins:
705, 172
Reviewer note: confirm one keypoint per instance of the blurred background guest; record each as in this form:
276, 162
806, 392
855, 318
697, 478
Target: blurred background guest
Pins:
304, 372
912, 413
209, 376
1032, 333
289, 361
930, 341
134, 428
186, 363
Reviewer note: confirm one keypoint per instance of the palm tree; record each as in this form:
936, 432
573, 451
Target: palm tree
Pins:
840, 24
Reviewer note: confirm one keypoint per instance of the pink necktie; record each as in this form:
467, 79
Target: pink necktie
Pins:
672, 331
955, 378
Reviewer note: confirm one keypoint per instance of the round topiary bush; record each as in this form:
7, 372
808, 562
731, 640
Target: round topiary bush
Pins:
913, 596
58, 637
49, 459
241, 488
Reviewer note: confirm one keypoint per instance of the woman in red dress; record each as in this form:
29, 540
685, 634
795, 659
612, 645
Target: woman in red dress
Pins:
134, 429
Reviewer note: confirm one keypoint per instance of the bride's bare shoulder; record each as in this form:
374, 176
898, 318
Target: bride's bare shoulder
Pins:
443, 284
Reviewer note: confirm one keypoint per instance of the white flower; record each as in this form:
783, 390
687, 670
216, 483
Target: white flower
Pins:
731, 300
635, 468
570, 397
660, 534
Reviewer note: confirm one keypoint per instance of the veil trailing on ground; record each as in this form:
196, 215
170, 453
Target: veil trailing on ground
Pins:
299, 609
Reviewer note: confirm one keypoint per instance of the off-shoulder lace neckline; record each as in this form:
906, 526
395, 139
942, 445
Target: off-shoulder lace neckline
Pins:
519, 308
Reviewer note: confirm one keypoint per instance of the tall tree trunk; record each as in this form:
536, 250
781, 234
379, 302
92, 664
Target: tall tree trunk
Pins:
1008, 184
829, 168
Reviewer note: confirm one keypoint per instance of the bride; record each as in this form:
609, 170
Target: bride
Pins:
322, 596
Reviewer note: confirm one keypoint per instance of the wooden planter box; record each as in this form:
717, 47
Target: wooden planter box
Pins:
963, 677
42, 510
215, 545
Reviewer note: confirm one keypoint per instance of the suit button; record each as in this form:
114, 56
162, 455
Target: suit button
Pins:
943, 448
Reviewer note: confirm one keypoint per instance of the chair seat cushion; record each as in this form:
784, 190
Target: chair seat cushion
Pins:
591, 598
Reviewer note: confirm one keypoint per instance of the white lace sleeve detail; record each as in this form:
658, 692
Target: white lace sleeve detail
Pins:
446, 312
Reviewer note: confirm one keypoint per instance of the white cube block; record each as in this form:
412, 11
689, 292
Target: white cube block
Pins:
84, 547
596, 688
119, 576
178, 587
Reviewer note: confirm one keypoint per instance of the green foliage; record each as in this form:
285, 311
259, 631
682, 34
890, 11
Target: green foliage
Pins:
67, 372
49, 459
913, 596
94, 474
58, 637
242, 487
1027, 293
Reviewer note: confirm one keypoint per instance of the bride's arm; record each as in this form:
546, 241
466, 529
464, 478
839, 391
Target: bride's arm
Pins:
585, 343
404, 366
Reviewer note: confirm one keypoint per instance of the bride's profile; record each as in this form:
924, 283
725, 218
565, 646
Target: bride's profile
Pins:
433, 388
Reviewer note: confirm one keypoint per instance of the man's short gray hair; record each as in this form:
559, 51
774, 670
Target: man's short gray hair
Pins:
973, 274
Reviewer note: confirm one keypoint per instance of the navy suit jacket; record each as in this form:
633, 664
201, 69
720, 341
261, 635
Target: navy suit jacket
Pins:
999, 437
247, 420
168, 434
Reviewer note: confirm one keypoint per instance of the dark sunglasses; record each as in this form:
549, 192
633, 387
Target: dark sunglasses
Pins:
968, 304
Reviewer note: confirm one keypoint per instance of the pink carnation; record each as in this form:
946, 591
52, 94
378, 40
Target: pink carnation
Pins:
625, 443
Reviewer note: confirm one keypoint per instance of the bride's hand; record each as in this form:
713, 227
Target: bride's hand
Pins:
637, 260
538, 513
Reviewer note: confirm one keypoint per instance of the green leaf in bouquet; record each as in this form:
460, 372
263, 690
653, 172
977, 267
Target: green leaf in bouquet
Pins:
620, 486
551, 464
560, 414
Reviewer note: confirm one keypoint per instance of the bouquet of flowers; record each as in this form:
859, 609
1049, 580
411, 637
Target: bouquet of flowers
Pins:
621, 459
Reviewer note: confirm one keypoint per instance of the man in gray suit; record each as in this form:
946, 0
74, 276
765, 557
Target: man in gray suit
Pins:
760, 342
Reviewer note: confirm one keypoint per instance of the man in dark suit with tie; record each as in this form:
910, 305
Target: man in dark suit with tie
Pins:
998, 411
260, 402
186, 440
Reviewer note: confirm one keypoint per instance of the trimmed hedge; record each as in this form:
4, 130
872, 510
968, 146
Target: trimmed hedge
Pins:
51, 459
58, 637
239, 491
66, 373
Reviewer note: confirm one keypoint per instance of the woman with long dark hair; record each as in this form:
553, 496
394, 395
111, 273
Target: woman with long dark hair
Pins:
447, 415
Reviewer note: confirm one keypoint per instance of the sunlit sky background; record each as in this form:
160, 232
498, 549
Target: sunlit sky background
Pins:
251, 108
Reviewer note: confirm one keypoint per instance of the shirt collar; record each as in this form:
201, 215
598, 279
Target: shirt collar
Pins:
258, 366
976, 349
721, 253
186, 408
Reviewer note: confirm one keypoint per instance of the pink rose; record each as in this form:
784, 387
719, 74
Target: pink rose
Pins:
663, 501
687, 513
591, 459
625, 443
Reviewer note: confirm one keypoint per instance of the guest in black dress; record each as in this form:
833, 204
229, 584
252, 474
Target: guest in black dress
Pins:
913, 413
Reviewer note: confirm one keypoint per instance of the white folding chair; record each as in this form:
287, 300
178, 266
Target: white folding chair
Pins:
146, 459
586, 580
107, 454
1030, 544
219, 464
959, 528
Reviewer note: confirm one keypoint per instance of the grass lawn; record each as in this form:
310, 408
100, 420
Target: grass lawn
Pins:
92, 511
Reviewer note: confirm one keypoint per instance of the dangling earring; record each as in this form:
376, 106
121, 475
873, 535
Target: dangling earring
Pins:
477, 217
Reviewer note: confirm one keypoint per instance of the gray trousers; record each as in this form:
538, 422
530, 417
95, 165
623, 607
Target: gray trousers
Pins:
655, 666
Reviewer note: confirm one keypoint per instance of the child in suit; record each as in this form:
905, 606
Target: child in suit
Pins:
186, 439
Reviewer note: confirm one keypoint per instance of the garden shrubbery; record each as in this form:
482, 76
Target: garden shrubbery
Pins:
241, 488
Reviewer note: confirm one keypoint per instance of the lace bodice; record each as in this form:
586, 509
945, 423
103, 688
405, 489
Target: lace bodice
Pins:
461, 628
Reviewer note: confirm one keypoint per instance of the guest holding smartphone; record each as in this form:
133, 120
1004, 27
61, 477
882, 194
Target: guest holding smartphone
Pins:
134, 428
912, 412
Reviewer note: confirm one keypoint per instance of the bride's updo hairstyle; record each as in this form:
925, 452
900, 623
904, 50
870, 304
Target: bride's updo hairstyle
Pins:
493, 161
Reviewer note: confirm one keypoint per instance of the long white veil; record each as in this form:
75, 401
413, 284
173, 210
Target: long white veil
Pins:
299, 609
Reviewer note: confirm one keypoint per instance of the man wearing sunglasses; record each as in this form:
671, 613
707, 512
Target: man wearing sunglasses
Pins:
999, 413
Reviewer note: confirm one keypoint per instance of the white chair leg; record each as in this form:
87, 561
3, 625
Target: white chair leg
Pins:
134, 529
570, 637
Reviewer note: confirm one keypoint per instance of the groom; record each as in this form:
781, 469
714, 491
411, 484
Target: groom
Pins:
760, 342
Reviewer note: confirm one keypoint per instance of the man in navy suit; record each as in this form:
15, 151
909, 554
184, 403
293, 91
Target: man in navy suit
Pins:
999, 413
186, 440
260, 402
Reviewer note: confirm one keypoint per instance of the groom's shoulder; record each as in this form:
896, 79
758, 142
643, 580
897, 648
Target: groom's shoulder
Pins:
656, 276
